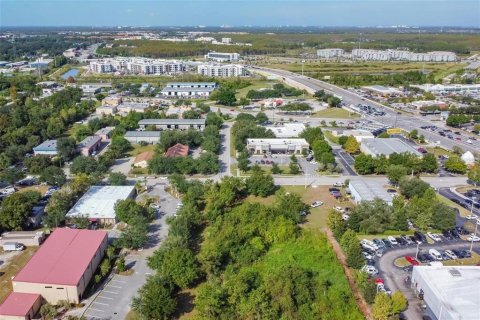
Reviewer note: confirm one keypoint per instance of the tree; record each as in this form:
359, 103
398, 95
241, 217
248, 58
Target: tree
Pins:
351, 145
353, 251
37, 164
127, 210
259, 183
429, 163
243, 161
336, 223
11, 175
82, 132
455, 164
48, 312
117, 179
261, 118
88, 165
474, 174
311, 134
396, 172
410, 187
104, 268
16, 209
293, 168
399, 302
275, 168
53, 176
66, 148
135, 235
364, 164
382, 307
413, 134
120, 264
225, 96
156, 299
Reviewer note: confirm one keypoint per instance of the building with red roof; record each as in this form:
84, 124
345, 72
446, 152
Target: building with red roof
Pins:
20, 306
178, 150
63, 266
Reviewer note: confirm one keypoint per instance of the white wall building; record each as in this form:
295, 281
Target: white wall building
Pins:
222, 56
449, 88
188, 89
330, 53
366, 190
284, 146
288, 130
222, 71
137, 66
403, 55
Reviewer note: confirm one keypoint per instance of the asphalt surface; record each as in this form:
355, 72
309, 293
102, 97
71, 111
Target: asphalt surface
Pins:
346, 160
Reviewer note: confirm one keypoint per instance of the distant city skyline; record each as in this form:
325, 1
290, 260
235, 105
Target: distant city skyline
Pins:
340, 13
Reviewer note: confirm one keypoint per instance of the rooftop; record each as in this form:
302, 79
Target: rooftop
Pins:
288, 130
369, 190
89, 142
63, 258
387, 146
99, 201
172, 84
142, 134
105, 130
203, 89
178, 150
278, 141
456, 288
18, 304
48, 145
171, 121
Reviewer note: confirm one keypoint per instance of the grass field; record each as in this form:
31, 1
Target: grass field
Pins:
336, 113
473, 261
330, 137
137, 149
256, 85
40, 188
11, 268
437, 151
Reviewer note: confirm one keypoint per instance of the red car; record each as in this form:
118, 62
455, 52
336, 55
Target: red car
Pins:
412, 260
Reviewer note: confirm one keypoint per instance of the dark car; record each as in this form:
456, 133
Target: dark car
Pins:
462, 230
447, 235
387, 243
424, 257
466, 253
455, 233
401, 241
333, 190
458, 253
419, 237
379, 243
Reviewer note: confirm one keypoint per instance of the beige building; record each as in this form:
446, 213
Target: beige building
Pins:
141, 161
20, 306
63, 266
106, 110
27, 238
282, 146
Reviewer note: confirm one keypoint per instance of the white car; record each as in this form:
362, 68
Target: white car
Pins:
367, 255
451, 255
154, 205
471, 217
434, 237
339, 209
368, 245
371, 270
338, 184
392, 240
473, 238
469, 141
345, 217
316, 204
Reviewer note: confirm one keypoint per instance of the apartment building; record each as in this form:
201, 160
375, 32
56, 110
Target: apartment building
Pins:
403, 55
222, 56
222, 71
188, 89
137, 66
330, 53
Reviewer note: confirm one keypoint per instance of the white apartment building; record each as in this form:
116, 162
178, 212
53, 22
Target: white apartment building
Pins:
223, 71
403, 55
330, 53
222, 56
137, 66
188, 89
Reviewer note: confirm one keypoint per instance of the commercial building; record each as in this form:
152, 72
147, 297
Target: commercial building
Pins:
287, 130
89, 145
449, 88
98, 203
359, 135
63, 266
142, 136
48, 148
222, 71
141, 161
20, 306
169, 124
366, 190
450, 292
27, 238
127, 107
137, 66
383, 91
386, 146
222, 56
330, 53
188, 89
106, 110
403, 55
178, 150
191, 85
284, 146
105, 133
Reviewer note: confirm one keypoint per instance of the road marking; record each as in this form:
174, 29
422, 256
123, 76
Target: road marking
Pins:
92, 316
111, 285
118, 281
148, 273
110, 291
105, 304
90, 308
101, 297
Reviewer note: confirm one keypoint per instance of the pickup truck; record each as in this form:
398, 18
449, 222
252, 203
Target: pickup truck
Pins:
13, 246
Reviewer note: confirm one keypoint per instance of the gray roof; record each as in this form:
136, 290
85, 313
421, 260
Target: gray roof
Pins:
89, 141
142, 134
147, 122
369, 190
168, 89
48, 145
191, 84
105, 130
387, 146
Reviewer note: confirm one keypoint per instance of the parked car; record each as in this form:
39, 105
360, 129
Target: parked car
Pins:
451, 254
455, 233
435, 254
401, 241
387, 243
420, 237
434, 237
367, 255
412, 260
424, 257
471, 217
338, 184
371, 270
316, 204
473, 238
407, 239
333, 190
392, 240
447, 235
339, 209
368, 245
379, 243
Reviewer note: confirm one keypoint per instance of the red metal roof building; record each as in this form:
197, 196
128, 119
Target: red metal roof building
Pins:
63, 266
20, 306
178, 150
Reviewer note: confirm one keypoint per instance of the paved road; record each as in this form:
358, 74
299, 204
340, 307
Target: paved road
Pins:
346, 160
114, 300
406, 122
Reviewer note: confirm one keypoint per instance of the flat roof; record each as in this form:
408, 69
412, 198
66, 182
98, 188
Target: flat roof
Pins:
370, 190
207, 89
387, 146
278, 141
105, 130
63, 258
47, 145
169, 84
456, 288
99, 202
287, 130
154, 134
170, 121
18, 304
89, 142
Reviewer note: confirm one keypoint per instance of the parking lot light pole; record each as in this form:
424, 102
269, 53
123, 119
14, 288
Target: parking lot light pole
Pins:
473, 235
418, 247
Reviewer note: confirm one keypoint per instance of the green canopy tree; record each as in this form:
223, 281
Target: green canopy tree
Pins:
455, 164
53, 176
382, 307
156, 299
396, 172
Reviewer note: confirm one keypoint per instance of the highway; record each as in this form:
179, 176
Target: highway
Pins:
406, 122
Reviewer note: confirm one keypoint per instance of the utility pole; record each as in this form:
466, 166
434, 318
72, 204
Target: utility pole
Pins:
474, 235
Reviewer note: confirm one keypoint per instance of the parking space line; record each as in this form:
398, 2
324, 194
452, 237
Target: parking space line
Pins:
94, 309
111, 285
101, 297
118, 281
110, 292
105, 304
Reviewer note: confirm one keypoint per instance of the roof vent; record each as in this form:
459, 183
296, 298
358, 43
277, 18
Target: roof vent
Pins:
455, 273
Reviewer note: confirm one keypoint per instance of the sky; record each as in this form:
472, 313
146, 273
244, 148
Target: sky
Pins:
347, 13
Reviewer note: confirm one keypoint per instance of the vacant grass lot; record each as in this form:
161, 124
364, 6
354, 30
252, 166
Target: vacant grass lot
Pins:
255, 85
137, 149
39, 188
336, 113
11, 268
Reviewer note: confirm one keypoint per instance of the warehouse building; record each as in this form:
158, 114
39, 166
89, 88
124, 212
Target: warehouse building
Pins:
450, 293
359, 135
283, 146
287, 130
386, 146
222, 56
20, 306
105, 133
142, 136
27, 238
98, 203
89, 145
365, 190
63, 266
169, 124
48, 148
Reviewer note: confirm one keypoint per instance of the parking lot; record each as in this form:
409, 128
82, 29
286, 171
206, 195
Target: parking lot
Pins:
308, 167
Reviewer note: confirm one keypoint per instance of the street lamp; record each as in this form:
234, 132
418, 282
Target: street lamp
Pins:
474, 235
416, 254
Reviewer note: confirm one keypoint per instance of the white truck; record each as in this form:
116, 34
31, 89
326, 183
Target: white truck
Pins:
13, 246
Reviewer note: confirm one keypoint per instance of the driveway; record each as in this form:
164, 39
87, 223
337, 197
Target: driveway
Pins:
346, 160
122, 165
